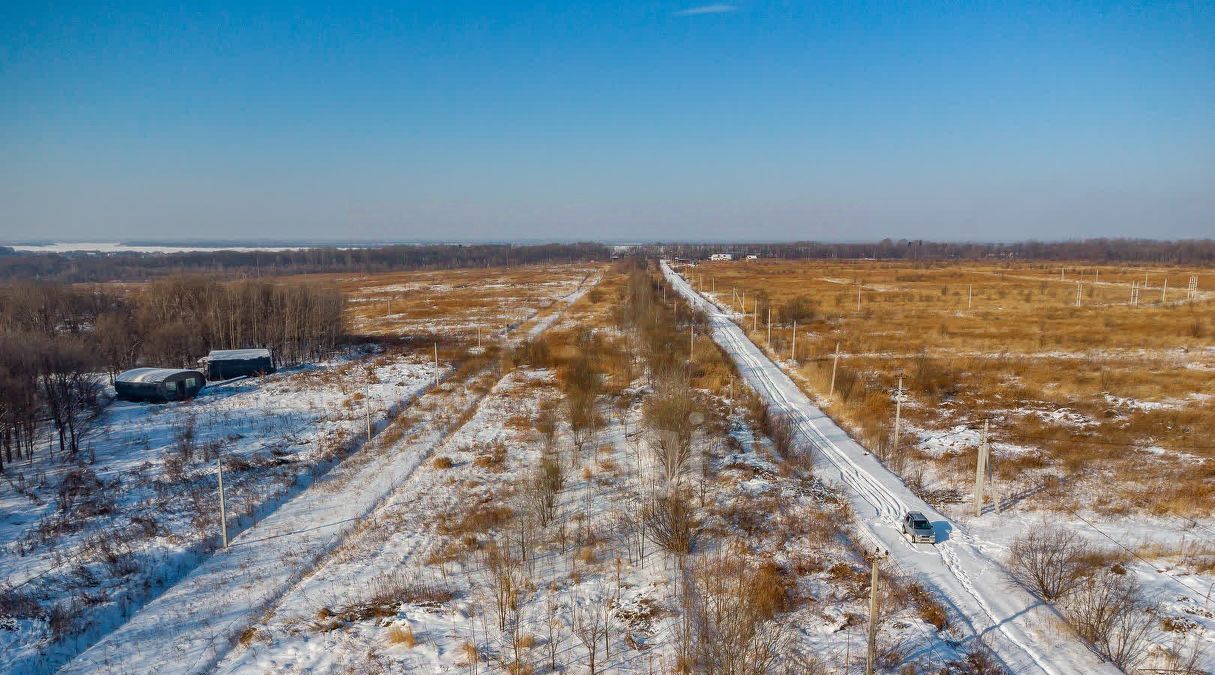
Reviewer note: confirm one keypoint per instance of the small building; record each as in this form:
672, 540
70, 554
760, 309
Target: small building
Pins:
721, 256
225, 364
158, 385
752, 257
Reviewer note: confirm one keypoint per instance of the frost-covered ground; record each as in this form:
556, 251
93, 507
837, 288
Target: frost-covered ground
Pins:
195, 621
89, 540
416, 589
1173, 557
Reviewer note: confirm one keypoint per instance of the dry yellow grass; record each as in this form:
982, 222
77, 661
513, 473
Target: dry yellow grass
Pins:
451, 302
1092, 387
398, 635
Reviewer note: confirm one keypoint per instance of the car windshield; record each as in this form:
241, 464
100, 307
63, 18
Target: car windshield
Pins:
920, 524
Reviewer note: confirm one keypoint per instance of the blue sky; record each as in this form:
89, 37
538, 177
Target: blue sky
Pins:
512, 120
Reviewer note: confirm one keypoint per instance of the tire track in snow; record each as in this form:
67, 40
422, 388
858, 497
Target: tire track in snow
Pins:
888, 506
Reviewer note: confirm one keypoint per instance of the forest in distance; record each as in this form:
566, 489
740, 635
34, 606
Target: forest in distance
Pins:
79, 267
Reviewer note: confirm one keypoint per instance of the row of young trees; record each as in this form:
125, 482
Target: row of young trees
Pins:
58, 342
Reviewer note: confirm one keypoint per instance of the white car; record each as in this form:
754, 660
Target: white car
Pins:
917, 528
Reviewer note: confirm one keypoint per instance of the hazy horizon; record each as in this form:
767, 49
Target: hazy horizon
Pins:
642, 121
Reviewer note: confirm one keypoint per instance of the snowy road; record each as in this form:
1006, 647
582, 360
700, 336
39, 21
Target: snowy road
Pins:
1023, 632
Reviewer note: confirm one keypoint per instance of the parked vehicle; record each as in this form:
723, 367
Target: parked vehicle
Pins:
917, 528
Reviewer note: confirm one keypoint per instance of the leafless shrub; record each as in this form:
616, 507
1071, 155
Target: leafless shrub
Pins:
543, 488
589, 620
1110, 613
669, 413
504, 578
730, 603
670, 522
978, 660
1050, 562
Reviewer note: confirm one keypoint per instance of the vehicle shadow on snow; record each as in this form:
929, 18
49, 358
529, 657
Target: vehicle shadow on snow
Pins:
942, 529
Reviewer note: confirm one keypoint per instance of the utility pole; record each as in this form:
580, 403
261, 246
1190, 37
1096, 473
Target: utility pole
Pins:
754, 316
1061, 275
1192, 290
981, 471
1134, 294
834, 365
858, 295
898, 414
691, 341
970, 297
436, 363
367, 407
871, 652
1079, 286
1164, 290
793, 349
1097, 275
769, 326
223, 514
478, 336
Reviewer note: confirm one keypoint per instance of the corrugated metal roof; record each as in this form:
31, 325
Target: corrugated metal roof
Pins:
238, 354
150, 374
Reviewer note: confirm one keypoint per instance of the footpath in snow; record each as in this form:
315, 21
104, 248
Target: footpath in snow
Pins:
1021, 630
194, 624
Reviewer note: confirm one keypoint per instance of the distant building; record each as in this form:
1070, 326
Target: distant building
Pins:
158, 385
721, 256
752, 257
225, 364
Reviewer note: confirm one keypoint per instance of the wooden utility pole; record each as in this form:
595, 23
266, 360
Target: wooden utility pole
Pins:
898, 414
1079, 291
691, 341
970, 297
858, 295
793, 349
1192, 290
367, 408
981, 471
1134, 293
871, 651
436, 363
769, 325
754, 316
834, 366
223, 514
1164, 290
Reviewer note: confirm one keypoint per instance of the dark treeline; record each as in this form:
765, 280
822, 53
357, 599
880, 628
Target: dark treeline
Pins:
77, 267
56, 339
1184, 252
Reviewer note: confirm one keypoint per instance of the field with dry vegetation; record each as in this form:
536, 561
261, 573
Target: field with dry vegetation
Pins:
454, 302
1079, 385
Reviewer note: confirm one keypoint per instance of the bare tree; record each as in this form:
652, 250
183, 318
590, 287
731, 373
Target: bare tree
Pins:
504, 579
1050, 561
670, 522
731, 605
1110, 613
589, 626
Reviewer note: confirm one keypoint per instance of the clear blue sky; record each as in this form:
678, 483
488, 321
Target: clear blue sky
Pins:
505, 119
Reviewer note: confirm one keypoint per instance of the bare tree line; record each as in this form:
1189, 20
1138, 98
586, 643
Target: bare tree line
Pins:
79, 266
1182, 252
57, 341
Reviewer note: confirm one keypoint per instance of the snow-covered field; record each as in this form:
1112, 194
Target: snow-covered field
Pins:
89, 540
968, 567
